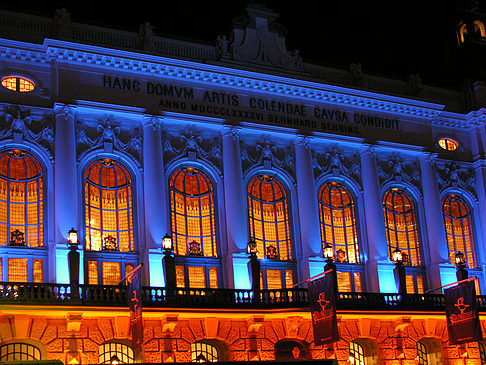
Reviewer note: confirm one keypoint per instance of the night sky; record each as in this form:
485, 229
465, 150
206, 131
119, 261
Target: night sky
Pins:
389, 38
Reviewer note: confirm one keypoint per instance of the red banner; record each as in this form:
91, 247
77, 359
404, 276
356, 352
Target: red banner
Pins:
135, 304
323, 309
462, 313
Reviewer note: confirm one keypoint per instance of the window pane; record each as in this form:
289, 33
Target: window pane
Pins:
17, 270
21, 199
274, 279
213, 277
401, 225
38, 271
197, 277
356, 354
344, 281
180, 277
111, 273
108, 207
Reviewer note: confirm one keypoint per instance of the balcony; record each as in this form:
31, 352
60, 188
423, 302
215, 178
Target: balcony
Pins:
154, 297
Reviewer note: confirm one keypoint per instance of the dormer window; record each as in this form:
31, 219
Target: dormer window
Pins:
18, 84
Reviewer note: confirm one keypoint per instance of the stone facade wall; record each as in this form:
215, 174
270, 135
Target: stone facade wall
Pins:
387, 339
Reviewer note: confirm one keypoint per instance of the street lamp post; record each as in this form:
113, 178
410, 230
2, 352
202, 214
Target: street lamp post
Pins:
330, 265
254, 270
168, 263
73, 262
461, 272
399, 271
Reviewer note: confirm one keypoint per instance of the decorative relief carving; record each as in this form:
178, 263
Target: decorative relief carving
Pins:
453, 175
191, 144
266, 153
109, 136
334, 162
258, 38
395, 168
18, 125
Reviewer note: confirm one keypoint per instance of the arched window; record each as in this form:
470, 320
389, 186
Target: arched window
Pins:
21, 199
109, 224
459, 230
422, 354
19, 352
339, 229
193, 220
108, 207
402, 233
356, 354
482, 353
115, 353
204, 352
268, 213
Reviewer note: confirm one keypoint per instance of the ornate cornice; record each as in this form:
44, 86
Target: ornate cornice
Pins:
85, 55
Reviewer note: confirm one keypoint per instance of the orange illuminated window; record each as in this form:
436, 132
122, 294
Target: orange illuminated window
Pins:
17, 83
38, 271
459, 230
21, 199
338, 222
269, 218
448, 144
401, 225
18, 270
192, 213
111, 273
93, 273
108, 207
196, 276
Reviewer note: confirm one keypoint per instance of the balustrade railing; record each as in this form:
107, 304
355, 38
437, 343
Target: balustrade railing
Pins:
117, 296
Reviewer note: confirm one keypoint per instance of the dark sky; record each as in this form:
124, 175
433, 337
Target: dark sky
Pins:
394, 38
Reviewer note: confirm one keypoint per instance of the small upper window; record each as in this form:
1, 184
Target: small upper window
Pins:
17, 83
448, 144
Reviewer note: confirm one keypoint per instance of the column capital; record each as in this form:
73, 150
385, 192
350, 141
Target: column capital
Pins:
153, 121
428, 156
231, 130
305, 140
369, 148
64, 110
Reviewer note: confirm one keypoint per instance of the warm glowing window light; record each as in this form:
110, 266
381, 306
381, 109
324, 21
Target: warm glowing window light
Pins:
108, 207
204, 352
459, 230
114, 351
17, 83
448, 144
21, 199
401, 225
192, 213
19, 352
356, 354
269, 217
338, 222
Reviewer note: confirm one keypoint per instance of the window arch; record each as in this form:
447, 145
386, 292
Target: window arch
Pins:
192, 213
459, 229
112, 352
482, 353
356, 354
108, 206
204, 352
429, 352
269, 217
22, 201
19, 352
337, 215
401, 225
193, 224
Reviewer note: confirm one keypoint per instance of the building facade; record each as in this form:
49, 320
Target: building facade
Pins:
128, 137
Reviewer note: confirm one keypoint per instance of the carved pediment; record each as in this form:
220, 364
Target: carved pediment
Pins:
257, 38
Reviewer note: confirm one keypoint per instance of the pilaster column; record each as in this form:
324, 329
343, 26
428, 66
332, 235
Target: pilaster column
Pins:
434, 223
480, 234
154, 196
235, 210
66, 202
310, 235
378, 267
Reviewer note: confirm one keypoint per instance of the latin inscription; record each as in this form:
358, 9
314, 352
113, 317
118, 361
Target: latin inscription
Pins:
240, 107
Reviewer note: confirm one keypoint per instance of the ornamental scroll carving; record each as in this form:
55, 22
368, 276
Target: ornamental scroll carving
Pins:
191, 144
334, 162
109, 136
19, 125
396, 168
266, 153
